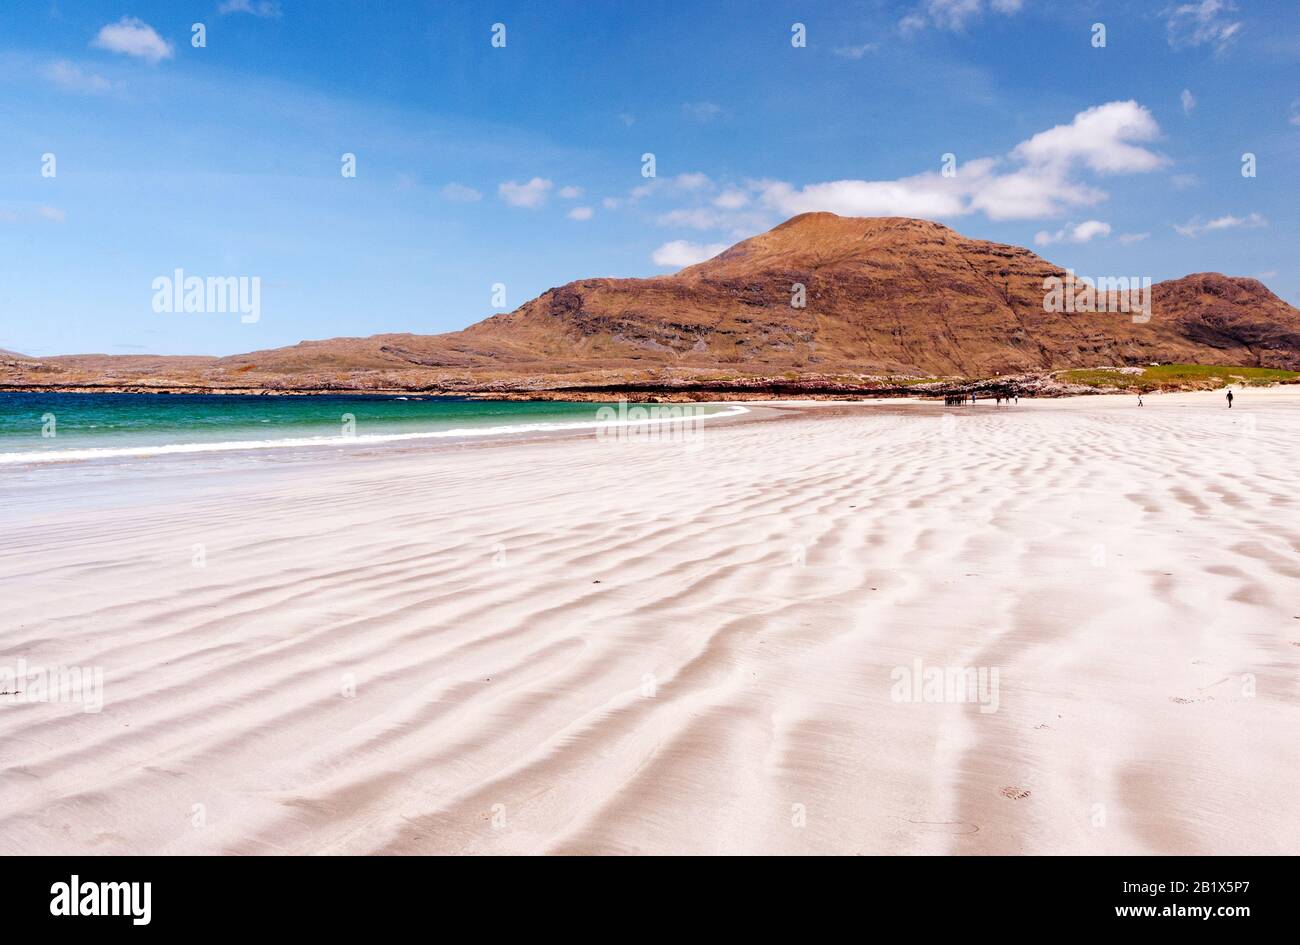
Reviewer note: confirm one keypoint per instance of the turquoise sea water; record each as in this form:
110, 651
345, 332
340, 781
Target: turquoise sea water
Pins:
44, 427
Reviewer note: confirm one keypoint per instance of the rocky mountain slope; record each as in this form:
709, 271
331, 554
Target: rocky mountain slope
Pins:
883, 297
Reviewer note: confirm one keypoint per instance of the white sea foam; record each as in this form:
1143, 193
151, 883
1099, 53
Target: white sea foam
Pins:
116, 452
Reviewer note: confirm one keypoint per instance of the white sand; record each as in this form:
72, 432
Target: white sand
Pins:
1133, 575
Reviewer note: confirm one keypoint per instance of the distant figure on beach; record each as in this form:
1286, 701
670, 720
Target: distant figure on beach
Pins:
999, 396
1139, 400
1229, 400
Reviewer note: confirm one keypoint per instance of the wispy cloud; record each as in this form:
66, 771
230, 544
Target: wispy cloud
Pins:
702, 112
580, 213
1194, 226
460, 193
1188, 101
687, 183
1210, 22
731, 199
264, 8
1073, 233
954, 14
531, 195
72, 78
131, 36
38, 212
856, 52
679, 253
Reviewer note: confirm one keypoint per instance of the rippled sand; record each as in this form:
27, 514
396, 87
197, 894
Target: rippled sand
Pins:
579, 646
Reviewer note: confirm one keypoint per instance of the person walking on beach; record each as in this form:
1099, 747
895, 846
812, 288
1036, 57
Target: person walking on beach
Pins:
1230, 400
1139, 400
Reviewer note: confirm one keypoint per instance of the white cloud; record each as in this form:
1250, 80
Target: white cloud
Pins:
1129, 238
697, 218
682, 183
1073, 233
1100, 138
53, 214
1029, 193
954, 14
580, 213
679, 253
73, 78
1188, 100
531, 195
1194, 226
856, 52
460, 193
1198, 24
262, 8
1039, 179
924, 195
703, 112
133, 37
737, 222
731, 199
570, 193
694, 181
1294, 117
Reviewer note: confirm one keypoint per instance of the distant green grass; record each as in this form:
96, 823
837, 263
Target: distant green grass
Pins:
1197, 376
913, 381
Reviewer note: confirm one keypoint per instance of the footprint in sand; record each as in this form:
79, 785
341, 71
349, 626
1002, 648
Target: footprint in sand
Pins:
1015, 793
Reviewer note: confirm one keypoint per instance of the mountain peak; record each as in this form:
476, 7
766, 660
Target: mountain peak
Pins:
821, 296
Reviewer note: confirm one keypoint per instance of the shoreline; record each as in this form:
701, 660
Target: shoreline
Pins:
762, 393
502, 434
510, 432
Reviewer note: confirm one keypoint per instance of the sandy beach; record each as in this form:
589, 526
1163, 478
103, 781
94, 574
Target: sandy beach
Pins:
717, 645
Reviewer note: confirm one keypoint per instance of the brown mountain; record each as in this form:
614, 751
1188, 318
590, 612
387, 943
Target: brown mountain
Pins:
886, 296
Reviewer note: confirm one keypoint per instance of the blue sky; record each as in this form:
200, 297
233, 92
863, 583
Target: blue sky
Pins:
521, 165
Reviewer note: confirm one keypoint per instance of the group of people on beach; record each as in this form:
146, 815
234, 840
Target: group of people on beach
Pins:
957, 400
